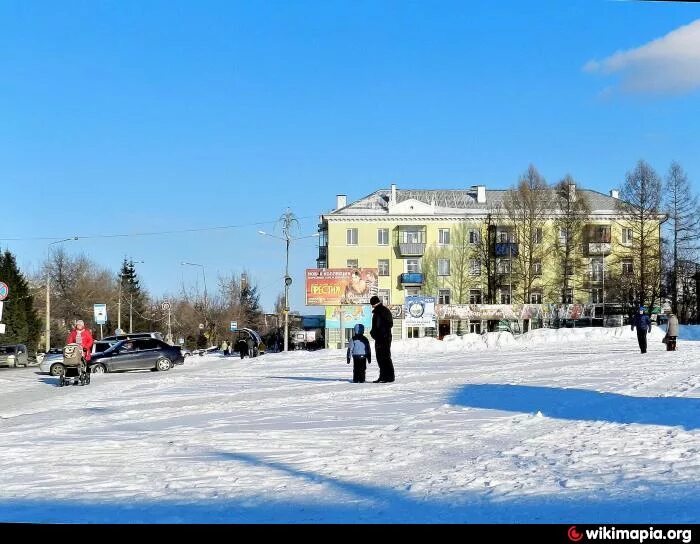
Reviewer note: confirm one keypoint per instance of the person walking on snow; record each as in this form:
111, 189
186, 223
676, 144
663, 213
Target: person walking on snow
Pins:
643, 324
80, 335
359, 352
671, 332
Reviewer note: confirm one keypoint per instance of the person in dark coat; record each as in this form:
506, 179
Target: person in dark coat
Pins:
643, 324
671, 333
242, 347
382, 321
359, 352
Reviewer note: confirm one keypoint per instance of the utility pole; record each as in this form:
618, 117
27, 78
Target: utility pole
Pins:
288, 220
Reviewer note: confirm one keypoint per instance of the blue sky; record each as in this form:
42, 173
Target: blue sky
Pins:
126, 117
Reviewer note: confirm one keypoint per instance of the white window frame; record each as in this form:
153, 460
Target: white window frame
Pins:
443, 262
536, 297
627, 236
474, 236
537, 236
505, 297
444, 296
379, 267
352, 263
503, 266
537, 268
443, 237
350, 235
384, 295
627, 267
412, 269
382, 237
474, 292
475, 267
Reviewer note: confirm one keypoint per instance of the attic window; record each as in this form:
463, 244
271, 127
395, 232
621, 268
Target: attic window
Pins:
411, 207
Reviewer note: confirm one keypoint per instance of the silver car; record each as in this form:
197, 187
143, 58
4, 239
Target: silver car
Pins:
13, 355
55, 355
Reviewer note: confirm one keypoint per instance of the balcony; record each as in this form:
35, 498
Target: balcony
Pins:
506, 249
322, 252
411, 278
411, 249
599, 248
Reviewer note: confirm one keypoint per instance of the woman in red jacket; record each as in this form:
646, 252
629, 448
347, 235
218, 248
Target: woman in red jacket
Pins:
80, 335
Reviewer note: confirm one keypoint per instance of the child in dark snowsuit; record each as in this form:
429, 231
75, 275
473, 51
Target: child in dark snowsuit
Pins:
359, 351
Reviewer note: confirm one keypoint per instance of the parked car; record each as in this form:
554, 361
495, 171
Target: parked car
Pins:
252, 338
55, 355
136, 354
13, 355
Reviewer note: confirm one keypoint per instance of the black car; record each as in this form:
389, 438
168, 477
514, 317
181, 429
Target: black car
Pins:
136, 354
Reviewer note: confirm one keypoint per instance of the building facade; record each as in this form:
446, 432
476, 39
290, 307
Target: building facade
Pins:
477, 256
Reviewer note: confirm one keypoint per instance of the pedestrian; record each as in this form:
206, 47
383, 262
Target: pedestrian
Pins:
224, 348
643, 324
242, 347
80, 335
360, 353
382, 322
671, 332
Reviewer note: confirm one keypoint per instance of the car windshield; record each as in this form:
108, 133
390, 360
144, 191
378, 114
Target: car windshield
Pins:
4, 350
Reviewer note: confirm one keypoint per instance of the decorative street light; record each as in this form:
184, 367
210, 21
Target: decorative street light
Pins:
48, 289
288, 220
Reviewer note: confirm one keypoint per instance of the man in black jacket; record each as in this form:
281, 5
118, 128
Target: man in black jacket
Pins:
381, 332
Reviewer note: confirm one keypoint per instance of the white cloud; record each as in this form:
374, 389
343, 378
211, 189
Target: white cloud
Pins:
670, 64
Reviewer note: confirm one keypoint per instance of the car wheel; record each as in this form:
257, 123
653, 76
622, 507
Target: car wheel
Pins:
99, 368
57, 369
163, 364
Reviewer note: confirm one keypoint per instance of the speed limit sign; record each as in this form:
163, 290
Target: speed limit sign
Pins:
165, 306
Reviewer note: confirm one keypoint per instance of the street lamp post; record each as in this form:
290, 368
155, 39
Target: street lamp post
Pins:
206, 322
48, 289
288, 220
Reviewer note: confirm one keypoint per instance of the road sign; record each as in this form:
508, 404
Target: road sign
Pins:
4, 290
100, 314
201, 325
234, 325
165, 306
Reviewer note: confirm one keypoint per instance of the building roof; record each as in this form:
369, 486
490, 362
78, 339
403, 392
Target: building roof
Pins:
452, 201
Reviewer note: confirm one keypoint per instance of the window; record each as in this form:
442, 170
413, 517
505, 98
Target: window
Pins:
382, 237
474, 236
475, 267
627, 268
474, 328
351, 237
383, 267
443, 296
626, 236
412, 291
505, 298
505, 236
412, 265
563, 236
413, 332
474, 296
567, 296
597, 295
535, 298
412, 236
537, 236
352, 263
569, 269
503, 266
601, 234
444, 237
383, 295
443, 267
597, 269
537, 268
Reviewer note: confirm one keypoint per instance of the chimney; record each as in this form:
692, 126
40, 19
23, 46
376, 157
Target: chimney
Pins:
481, 194
614, 193
393, 193
341, 201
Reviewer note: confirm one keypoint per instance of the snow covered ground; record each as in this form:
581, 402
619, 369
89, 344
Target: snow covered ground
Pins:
559, 426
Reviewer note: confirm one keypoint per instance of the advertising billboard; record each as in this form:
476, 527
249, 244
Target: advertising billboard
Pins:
338, 286
351, 316
419, 311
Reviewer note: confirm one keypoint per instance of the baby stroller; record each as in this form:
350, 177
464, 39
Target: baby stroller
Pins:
75, 365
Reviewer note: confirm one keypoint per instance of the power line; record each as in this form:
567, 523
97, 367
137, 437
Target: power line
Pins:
155, 233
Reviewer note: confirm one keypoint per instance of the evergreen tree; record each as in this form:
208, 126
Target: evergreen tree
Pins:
22, 324
133, 300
